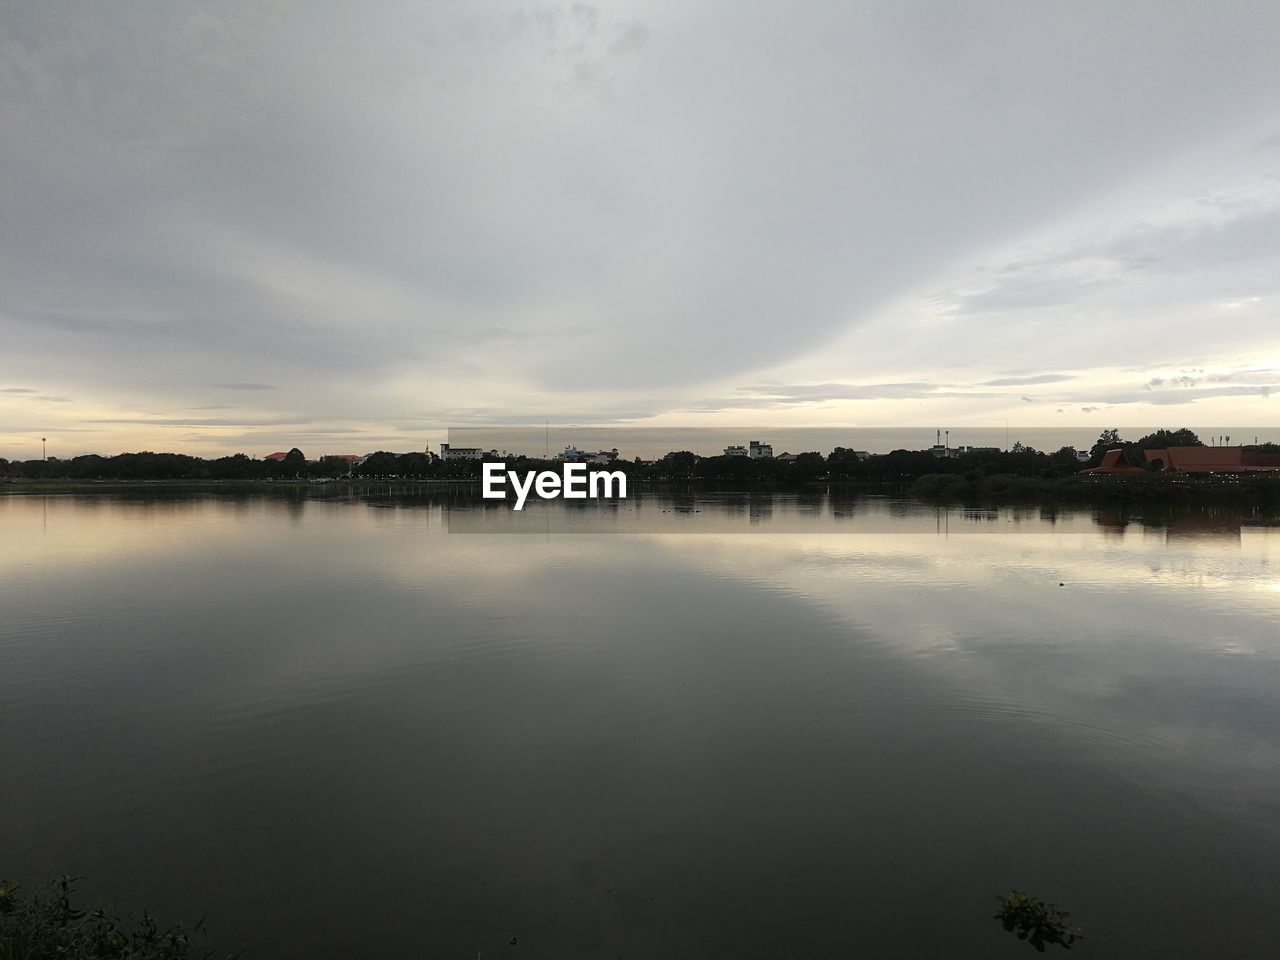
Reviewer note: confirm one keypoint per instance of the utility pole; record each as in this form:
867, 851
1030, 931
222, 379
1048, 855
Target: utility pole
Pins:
44, 450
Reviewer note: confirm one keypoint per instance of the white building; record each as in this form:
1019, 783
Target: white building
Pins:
735, 451
466, 453
760, 451
574, 455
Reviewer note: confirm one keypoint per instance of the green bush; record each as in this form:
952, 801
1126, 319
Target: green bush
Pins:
48, 925
1036, 922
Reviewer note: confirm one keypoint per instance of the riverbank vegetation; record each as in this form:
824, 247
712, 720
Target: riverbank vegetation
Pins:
1020, 474
49, 925
1036, 923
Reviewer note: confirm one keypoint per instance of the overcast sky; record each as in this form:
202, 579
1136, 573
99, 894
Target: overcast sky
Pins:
348, 227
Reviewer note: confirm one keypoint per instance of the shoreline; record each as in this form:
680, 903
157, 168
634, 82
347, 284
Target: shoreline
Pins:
1259, 492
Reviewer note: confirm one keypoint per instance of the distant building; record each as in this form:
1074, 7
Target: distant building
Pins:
735, 451
275, 456
785, 457
760, 451
1212, 460
574, 455
1113, 462
341, 461
940, 449
448, 452
943, 450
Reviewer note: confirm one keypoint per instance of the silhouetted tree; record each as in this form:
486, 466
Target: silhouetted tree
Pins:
1183, 437
809, 466
416, 465
1109, 439
380, 464
679, 464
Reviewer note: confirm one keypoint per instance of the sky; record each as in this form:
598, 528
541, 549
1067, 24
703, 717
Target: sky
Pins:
347, 227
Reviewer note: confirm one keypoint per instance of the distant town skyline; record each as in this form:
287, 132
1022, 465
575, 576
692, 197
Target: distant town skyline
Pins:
238, 227
630, 442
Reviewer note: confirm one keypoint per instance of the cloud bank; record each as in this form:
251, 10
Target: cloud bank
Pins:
359, 225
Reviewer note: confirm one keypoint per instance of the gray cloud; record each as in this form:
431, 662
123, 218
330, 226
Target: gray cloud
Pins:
779, 396
201, 422
629, 37
1192, 395
1028, 381
578, 209
25, 429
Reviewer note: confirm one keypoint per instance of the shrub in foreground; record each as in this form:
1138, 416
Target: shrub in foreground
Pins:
1036, 922
47, 925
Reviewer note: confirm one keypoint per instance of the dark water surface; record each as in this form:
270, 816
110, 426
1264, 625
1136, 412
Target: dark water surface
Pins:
343, 731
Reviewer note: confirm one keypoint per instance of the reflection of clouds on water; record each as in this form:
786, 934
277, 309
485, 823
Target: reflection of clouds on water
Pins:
1159, 648
1148, 607
568, 726
1161, 652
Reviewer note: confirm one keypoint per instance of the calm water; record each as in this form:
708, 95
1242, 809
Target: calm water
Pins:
342, 730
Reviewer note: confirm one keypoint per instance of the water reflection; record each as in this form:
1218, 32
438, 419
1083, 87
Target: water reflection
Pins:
654, 745
1209, 525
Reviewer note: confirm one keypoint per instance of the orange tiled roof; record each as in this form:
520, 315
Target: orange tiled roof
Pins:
1113, 462
1213, 459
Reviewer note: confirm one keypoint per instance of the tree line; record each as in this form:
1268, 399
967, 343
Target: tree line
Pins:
180, 466
842, 464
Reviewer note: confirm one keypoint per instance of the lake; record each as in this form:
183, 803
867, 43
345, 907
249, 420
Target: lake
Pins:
709, 725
